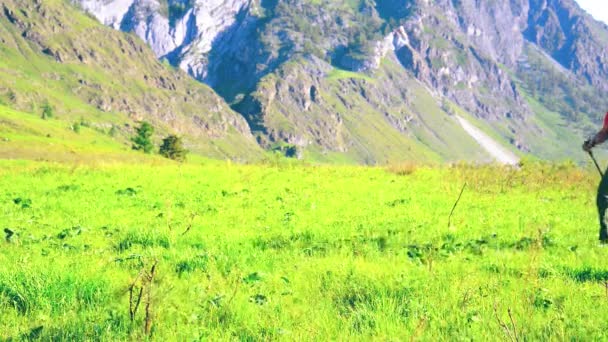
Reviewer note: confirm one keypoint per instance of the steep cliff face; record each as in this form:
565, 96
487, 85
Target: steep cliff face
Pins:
275, 61
182, 31
457, 54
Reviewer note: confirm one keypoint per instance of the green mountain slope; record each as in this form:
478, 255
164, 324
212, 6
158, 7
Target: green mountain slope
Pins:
54, 56
330, 113
28, 136
530, 72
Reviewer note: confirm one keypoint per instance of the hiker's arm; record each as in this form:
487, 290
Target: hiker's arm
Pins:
600, 137
597, 139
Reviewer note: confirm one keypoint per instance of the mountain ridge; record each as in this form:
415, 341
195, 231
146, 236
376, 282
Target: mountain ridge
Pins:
378, 81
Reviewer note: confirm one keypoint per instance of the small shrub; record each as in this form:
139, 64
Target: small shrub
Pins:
253, 278
173, 148
14, 298
127, 192
541, 299
23, 202
285, 149
145, 240
76, 127
143, 140
8, 234
47, 111
84, 123
69, 232
258, 299
199, 262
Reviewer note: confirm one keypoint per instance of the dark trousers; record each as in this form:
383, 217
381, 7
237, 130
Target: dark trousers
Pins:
602, 205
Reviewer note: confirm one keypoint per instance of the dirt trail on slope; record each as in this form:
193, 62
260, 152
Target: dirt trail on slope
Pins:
498, 152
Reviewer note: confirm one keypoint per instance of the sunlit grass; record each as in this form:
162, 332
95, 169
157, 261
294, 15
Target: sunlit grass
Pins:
295, 252
339, 74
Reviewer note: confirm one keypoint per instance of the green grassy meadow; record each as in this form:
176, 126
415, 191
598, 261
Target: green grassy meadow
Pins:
282, 251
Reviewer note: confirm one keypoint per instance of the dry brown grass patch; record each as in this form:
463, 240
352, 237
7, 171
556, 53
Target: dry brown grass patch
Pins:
403, 168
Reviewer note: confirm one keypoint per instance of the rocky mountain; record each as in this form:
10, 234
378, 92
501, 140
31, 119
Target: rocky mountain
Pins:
53, 57
372, 81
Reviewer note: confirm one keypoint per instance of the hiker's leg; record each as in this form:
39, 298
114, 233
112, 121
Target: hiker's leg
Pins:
602, 206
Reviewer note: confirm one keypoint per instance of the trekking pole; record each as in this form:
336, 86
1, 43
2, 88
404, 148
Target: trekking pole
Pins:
596, 164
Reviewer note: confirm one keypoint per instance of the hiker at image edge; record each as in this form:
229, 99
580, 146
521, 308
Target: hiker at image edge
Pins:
602, 191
